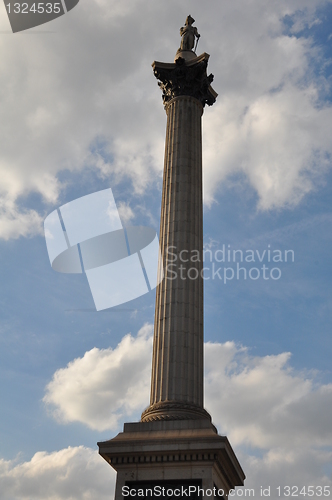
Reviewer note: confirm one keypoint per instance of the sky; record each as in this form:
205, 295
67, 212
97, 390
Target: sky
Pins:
80, 112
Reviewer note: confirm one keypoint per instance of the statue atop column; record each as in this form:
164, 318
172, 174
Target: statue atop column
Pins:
189, 33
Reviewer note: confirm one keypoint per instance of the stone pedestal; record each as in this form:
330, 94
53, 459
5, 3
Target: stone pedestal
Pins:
173, 455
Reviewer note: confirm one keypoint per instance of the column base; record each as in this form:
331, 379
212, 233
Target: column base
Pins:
174, 410
172, 454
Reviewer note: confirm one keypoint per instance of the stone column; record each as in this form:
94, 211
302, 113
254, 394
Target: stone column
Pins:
177, 365
175, 444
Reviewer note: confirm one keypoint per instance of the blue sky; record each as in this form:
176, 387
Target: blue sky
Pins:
81, 111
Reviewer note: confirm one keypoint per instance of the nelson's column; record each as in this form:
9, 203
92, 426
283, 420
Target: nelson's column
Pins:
175, 445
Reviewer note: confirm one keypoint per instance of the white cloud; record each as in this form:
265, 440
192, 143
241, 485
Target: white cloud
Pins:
85, 97
279, 141
69, 474
15, 222
277, 419
81, 474
126, 212
298, 467
105, 385
262, 402
256, 401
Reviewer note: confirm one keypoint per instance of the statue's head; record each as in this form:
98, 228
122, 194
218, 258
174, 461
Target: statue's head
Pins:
189, 21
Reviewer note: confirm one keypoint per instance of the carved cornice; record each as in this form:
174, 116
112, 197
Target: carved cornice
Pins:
186, 78
174, 410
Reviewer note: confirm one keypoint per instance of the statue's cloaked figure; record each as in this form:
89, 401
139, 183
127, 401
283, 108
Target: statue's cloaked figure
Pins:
188, 33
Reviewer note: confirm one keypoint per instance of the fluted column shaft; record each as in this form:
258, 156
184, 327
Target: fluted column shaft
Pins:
177, 365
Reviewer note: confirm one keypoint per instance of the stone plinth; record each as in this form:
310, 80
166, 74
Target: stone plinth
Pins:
172, 453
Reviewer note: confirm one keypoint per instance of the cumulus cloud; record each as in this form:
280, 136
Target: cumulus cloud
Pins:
15, 222
69, 109
270, 122
81, 474
256, 401
262, 402
297, 467
280, 142
277, 419
105, 385
126, 212
84, 97
69, 474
